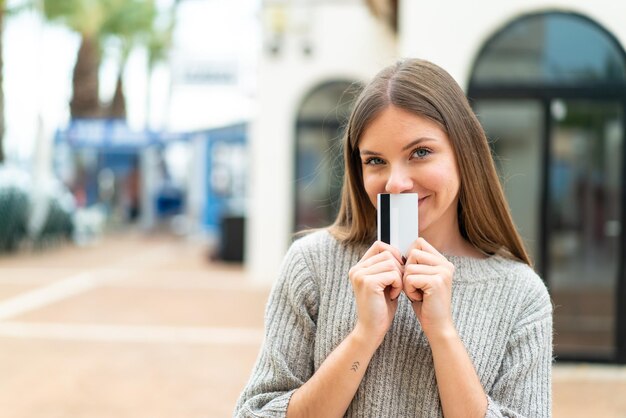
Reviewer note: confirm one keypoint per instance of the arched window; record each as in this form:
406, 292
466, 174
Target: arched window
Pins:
550, 50
550, 91
319, 160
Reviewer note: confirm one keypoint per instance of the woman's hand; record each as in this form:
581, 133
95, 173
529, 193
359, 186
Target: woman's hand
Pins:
377, 282
427, 283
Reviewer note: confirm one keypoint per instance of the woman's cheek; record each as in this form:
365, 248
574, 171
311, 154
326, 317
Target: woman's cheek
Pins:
370, 185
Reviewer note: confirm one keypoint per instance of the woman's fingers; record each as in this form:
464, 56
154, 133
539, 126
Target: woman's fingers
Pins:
379, 247
426, 277
424, 283
422, 244
391, 282
421, 269
385, 258
417, 256
425, 271
395, 287
380, 269
422, 252
378, 277
377, 282
427, 282
425, 255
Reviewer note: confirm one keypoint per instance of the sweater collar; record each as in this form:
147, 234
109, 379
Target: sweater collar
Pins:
472, 269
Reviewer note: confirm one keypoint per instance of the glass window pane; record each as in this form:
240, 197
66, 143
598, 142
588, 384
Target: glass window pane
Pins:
514, 129
550, 49
318, 176
319, 162
584, 224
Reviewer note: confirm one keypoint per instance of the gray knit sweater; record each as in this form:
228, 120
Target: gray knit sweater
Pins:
501, 310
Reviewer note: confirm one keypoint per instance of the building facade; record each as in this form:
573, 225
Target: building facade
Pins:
547, 81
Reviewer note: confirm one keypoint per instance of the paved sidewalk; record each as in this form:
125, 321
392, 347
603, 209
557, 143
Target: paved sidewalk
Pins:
142, 326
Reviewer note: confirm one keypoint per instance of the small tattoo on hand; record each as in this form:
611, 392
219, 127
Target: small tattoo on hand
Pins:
355, 366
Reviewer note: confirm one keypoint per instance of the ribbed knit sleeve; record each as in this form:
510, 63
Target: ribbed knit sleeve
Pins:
523, 386
286, 360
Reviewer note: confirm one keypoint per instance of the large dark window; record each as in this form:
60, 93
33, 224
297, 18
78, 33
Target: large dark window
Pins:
550, 90
319, 159
550, 49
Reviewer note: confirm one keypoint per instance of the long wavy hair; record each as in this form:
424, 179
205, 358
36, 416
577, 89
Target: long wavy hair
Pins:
424, 89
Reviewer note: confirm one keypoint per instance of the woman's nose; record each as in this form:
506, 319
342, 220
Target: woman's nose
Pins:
399, 181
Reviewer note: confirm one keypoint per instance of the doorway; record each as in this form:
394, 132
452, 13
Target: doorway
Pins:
550, 91
318, 180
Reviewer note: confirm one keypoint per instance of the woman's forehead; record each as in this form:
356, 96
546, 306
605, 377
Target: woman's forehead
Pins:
399, 126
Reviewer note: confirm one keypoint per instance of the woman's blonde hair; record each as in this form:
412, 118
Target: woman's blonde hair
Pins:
424, 89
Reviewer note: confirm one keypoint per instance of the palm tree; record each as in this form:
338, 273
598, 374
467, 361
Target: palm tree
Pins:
86, 18
129, 22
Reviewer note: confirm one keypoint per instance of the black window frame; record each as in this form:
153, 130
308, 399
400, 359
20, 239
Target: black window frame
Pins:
545, 93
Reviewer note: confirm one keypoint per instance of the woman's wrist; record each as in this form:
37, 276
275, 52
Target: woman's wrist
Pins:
442, 335
365, 340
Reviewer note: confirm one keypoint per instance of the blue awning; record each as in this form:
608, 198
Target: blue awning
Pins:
112, 134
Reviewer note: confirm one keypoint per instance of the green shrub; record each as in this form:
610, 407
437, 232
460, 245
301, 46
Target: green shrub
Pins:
14, 209
57, 227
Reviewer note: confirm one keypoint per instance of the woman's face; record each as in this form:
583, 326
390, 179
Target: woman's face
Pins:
405, 153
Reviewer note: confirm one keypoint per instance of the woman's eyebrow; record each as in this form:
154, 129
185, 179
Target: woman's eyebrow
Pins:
417, 142
404, 148
367, 152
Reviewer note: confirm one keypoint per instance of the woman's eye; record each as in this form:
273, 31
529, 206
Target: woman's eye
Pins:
374, 161
421, 152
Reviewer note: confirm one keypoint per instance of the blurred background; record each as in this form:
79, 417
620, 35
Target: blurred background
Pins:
156, 157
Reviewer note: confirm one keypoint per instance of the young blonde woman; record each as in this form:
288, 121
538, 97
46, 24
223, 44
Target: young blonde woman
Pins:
460, 326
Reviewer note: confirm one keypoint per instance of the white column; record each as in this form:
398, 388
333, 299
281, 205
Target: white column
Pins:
284, 80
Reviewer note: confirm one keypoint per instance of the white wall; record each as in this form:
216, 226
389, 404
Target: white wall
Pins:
451, 33
347, 43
